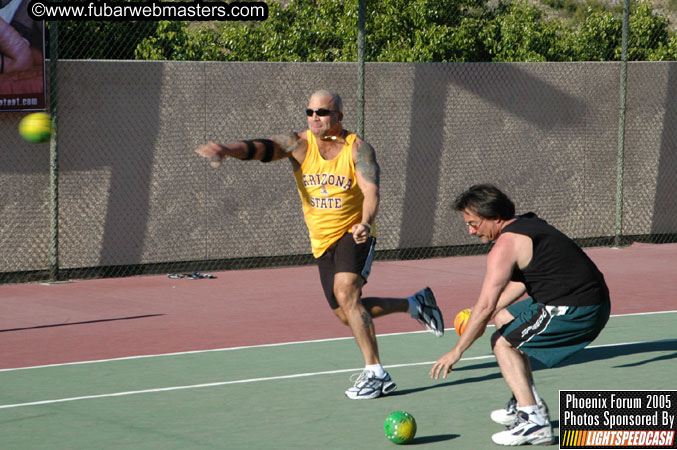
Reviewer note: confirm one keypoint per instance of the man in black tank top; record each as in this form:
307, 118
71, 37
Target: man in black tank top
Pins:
567, 309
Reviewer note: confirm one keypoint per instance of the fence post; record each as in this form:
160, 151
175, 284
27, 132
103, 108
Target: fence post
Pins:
621, 126
53, 153
360, 66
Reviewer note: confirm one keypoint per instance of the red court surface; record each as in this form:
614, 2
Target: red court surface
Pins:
111, 318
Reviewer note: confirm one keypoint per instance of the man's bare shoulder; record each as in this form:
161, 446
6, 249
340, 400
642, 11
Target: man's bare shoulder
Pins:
513, 247
503, 245
365, 161
363, 149
361, 143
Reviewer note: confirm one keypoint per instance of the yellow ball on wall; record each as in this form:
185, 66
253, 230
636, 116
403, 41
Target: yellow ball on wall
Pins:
36, 127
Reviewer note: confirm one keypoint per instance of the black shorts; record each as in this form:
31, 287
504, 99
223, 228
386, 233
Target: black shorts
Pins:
344, 256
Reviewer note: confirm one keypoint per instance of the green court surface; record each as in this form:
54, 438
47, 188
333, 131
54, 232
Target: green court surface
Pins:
290, 396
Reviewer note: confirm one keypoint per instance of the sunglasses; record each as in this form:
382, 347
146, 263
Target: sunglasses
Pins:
322, 112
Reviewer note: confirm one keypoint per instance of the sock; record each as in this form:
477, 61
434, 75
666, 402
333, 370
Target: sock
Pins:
377, 369
534, 414
413, 307
536, 396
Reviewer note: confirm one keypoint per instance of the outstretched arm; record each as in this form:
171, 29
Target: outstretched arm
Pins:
367, 173
500, 262
264, 150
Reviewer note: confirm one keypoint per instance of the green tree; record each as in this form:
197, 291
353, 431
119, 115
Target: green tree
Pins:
326, 30
598, 38
517, 33
415, 30
100, 39
648, 32
664, 51
420, 30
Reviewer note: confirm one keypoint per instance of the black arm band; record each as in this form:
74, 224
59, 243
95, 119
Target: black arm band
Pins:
251, 150
268, 149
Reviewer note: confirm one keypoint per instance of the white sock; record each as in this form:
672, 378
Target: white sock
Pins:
413, 307
377, 369
534, 414
536, 396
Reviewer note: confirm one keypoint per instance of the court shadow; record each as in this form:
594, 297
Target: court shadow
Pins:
459, 381
485, 365
647, 361
37, 327
435, 438
585, 355
600, 353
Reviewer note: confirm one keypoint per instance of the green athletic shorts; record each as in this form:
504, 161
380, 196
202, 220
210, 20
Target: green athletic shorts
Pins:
550, 334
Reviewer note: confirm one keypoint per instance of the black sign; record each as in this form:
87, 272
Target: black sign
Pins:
617, 419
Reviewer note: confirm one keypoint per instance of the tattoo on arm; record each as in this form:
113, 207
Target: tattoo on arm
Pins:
287, 142
366, 320
366, 163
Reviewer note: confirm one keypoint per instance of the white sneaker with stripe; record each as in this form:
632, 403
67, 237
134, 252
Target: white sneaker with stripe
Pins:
506, 416
368, 386
525, 430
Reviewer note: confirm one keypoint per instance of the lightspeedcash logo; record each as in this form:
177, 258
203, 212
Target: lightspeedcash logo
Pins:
105, 10
617, 419
618, 438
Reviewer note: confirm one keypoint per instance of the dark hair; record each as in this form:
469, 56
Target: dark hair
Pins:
486, 201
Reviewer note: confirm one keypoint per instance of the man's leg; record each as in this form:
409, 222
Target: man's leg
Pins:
506, 416
347, 288
530, 426
502, 318
514, 364
353, 263
381, 306
516, 371
421, 306
374, 381
530, 422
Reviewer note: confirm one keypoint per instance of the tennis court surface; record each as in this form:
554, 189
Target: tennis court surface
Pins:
255, 359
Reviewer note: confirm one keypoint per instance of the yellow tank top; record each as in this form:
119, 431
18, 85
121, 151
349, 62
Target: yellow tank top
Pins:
332, 200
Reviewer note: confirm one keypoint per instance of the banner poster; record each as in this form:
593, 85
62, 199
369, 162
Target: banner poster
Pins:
22, 58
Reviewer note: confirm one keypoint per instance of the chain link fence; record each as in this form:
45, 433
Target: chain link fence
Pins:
590, 146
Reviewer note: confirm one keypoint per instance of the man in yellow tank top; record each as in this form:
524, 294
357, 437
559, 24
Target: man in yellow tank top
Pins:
337, 177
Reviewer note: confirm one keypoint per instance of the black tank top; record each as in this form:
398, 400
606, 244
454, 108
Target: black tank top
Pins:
559, 273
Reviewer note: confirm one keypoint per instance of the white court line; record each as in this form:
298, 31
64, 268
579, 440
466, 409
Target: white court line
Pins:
278, 344
279, 377
195, 352
220, 383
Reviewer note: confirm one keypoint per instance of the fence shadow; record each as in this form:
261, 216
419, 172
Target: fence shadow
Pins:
664, 214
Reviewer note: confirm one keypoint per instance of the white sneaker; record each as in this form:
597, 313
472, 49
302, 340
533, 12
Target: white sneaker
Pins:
429, 315
506, 416
369, 386
525, 431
